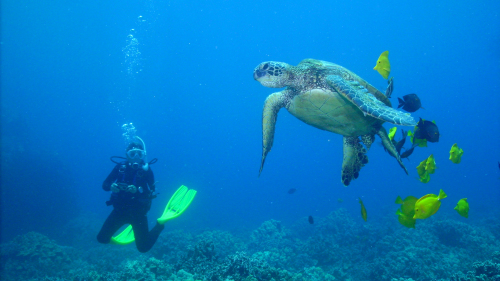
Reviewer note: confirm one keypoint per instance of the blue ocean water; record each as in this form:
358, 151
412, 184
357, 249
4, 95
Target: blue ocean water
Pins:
73, 72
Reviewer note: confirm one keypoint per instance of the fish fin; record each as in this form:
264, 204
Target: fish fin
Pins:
399, 200
442, 195
401, 103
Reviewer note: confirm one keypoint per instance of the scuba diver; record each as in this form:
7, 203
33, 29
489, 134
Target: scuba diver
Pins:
133, 188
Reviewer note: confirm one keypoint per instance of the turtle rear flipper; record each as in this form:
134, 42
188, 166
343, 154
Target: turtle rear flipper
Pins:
272, 106
389, 146
354, 159
367, 102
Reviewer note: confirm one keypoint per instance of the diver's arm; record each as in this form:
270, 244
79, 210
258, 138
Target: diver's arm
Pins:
106, 185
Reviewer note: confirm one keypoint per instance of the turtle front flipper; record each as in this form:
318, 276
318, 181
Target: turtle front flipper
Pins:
368, 103
272, 106
354, 159
389, 146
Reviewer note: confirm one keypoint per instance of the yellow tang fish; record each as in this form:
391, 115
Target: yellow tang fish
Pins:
426, 168
383, 65
456, 154
463, 207
421, 169
426, 178
430, 165
408, 205
405, 220
392, 133
363, 209
428, 205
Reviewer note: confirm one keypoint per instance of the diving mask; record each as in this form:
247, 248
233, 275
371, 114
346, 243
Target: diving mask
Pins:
136, 154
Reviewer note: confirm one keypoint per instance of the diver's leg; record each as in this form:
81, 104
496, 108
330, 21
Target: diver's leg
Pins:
144, 239
114, 221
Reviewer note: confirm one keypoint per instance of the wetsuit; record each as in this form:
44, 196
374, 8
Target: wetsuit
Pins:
130, 208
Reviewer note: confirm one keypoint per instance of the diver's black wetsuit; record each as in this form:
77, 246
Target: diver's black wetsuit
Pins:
131, 208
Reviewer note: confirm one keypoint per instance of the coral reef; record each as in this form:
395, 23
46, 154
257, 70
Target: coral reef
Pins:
172, 245
224, 243
33, 255
337, 247
482, 271
274, 244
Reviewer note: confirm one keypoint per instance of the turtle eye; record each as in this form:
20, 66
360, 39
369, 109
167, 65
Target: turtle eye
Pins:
265, 66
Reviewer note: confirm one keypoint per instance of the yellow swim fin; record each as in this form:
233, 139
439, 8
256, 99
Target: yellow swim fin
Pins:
177, 204
124, 238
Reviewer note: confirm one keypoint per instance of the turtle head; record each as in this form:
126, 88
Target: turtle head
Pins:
272, 74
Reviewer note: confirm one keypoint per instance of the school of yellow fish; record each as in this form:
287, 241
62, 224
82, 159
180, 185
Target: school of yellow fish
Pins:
412, 208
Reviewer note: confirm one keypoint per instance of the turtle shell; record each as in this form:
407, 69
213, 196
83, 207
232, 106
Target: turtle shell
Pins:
321, 106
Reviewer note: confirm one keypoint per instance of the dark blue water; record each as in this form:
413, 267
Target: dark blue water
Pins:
67, 89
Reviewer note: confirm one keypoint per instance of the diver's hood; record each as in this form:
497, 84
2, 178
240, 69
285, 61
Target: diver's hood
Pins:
138, 157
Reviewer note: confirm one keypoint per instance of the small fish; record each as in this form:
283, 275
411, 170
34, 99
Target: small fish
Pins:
383, 65
428, 205
430, 165
311, 220
401, 143
426, 130
421, 168
407, 153
405, 220
426, 178
416, 142
410, 103
456, 154
363, 209
408, 205
426, 168
392, 133
292, 190
463, 208
340, 200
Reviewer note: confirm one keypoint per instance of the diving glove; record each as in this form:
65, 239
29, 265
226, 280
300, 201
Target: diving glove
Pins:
117, 187
114, 187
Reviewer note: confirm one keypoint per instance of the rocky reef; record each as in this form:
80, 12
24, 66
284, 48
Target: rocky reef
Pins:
336, 247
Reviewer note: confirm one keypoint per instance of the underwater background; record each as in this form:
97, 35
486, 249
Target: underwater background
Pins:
73, 72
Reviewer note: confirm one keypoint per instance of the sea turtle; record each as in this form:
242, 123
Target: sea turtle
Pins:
330, 97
